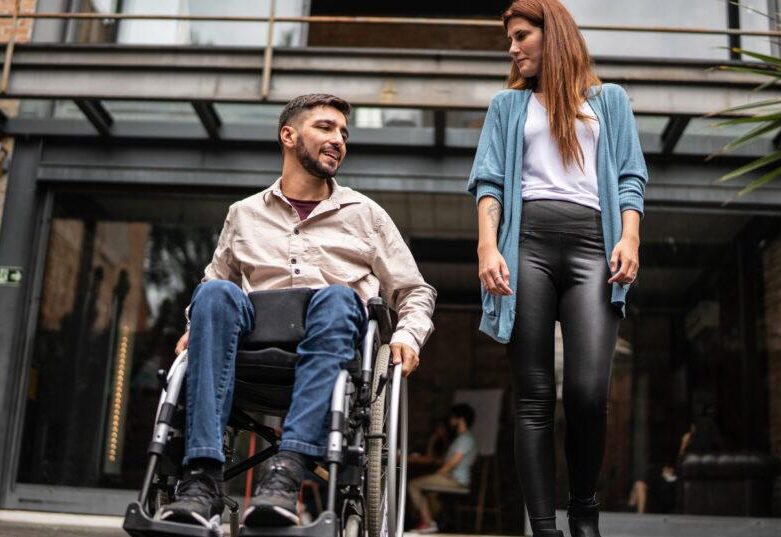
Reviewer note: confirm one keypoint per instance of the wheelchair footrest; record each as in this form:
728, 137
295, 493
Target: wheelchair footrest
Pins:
326, 525
139, 524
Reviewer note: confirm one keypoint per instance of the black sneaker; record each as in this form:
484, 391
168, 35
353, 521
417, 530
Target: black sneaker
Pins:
198, 500
276, 496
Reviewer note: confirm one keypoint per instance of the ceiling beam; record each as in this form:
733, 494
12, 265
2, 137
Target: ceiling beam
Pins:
440, 129
97, 115
455, 80
672, 133
209, 117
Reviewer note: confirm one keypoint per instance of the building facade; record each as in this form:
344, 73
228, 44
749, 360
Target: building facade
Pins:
130, 138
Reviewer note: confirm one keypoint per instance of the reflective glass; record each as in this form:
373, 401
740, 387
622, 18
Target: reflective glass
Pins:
184, 32
119, 272
256, 114
661, 13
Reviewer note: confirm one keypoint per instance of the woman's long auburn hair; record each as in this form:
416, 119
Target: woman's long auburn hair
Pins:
566, 72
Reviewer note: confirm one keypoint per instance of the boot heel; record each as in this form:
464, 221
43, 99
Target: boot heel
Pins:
583, 518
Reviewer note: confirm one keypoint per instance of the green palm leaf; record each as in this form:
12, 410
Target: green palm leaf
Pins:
765, 121
756, 183
770, 60
751, 135
753, 165
749, 106
751, 70
751, 119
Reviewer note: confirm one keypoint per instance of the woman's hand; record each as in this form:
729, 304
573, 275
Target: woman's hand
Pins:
493, 271
625, 260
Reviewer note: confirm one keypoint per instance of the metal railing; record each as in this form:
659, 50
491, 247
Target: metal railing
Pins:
16, 15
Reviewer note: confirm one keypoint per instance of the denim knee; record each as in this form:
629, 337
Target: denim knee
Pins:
218, 292
334, 293
338, 307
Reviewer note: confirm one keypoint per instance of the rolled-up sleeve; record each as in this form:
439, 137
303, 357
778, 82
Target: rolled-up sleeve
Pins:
632, 171
402, 285
487, 175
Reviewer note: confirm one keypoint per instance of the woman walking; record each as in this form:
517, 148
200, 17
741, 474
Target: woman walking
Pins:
560, 178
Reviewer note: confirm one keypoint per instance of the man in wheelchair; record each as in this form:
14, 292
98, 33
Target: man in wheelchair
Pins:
303, 231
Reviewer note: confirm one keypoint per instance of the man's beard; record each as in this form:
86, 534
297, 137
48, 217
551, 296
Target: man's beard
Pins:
312, 164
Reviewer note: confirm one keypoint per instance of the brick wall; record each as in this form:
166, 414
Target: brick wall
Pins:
408, 36
771, 260
24, 26
9, 108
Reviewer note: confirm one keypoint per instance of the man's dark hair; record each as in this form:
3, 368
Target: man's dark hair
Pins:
298, 105
465, 411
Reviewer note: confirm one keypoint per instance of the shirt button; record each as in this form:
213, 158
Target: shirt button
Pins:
293, 261
297, 271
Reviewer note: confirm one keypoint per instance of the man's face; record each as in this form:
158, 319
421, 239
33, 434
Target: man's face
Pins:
455, 421
321, 142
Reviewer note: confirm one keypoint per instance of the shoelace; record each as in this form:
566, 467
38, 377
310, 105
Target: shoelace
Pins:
279, 477
196, 487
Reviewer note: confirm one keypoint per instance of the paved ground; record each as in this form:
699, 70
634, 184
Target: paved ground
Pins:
52, 531
30, 524
36, 524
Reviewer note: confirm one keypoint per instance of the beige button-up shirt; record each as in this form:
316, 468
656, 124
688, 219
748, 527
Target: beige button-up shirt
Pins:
348, 239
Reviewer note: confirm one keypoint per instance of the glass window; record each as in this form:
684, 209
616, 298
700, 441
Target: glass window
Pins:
756, 15
120, 270
184, 32
688, 368
256, 114
663, 13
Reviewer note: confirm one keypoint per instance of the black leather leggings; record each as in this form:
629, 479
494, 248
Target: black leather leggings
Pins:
562, 276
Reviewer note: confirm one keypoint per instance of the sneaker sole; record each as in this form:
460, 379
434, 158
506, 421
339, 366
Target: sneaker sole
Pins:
269, 516
214, 523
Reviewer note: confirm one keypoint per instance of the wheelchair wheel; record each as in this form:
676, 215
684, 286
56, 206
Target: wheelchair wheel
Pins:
387, 454
158, 498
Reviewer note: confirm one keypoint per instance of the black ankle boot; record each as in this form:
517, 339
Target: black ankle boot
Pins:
583, 517
548, 533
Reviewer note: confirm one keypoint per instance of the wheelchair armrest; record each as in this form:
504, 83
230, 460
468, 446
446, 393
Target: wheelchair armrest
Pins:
379, 310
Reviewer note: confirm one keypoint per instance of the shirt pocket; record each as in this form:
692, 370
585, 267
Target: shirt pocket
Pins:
341, 256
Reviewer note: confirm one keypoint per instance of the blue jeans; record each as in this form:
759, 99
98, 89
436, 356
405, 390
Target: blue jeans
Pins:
220, 315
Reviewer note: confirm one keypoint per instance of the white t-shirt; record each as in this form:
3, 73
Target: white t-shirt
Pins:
544, 175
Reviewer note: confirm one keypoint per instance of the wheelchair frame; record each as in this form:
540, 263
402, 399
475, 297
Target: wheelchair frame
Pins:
355, 403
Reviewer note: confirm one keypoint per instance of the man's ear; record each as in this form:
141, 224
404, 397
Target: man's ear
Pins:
288, 135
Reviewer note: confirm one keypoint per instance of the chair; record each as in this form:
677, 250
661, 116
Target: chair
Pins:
487, 405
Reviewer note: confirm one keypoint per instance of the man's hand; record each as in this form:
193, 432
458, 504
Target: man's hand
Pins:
404, 355
181, 345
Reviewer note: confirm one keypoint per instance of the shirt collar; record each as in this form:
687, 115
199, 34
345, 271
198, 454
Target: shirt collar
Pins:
340, 195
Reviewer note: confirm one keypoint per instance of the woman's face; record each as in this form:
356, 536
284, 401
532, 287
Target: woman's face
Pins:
525, 46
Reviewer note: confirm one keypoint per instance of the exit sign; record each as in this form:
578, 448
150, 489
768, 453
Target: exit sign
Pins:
10, 275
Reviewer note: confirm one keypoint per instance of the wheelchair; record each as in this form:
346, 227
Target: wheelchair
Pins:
367, 443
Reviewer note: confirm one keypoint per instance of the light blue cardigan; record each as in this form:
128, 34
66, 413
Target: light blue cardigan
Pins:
496, 172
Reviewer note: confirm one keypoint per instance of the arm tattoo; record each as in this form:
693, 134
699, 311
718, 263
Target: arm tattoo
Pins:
494, 214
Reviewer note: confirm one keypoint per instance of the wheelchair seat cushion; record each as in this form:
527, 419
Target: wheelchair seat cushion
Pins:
266, 359
265, 377
280, 318
266, 366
